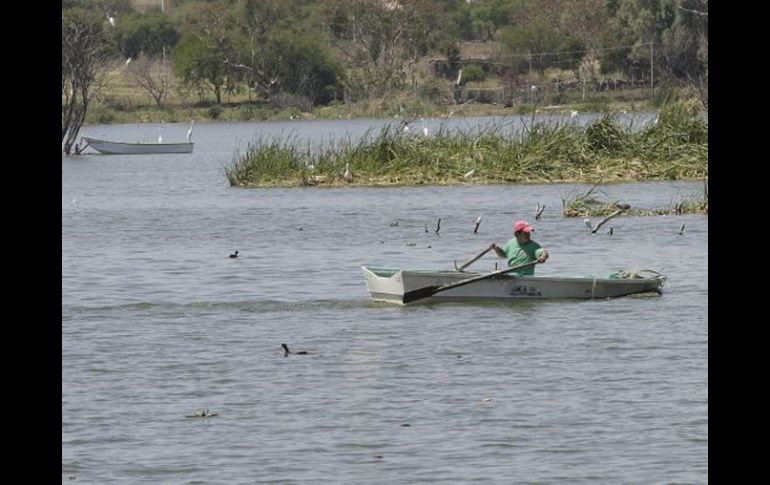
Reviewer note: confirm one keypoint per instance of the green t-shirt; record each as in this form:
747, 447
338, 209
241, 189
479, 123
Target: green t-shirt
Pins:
521, 254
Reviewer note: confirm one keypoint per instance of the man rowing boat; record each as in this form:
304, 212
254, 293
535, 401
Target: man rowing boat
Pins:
521, 249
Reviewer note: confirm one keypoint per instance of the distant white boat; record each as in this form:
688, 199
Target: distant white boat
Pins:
123, 148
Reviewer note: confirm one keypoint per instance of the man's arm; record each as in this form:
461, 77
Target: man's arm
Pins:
498, 250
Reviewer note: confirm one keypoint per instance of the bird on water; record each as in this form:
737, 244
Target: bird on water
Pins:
234, 255
286, 351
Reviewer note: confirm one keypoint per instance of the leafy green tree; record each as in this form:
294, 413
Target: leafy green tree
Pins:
376, 40
537, 44
146, 34
197, 62
488, 16
678, 30
308, 69
202, 57
255, 53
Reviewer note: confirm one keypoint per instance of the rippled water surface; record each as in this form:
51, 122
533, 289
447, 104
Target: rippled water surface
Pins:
158, 322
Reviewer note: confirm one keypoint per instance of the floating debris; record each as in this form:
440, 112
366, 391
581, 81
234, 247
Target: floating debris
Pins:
202, 413
286, 351
478, 223
606, 219
681, 229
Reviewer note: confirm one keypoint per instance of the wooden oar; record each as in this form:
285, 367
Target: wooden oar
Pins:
428, 291
473, 260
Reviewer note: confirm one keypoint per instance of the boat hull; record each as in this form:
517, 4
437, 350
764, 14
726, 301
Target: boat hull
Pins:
389, 285
120, 148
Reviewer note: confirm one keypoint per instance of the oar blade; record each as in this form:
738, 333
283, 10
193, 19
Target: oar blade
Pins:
428, 291
420, 293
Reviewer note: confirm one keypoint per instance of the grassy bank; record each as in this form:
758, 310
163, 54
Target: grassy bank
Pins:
115, 109
674, 148
122, 101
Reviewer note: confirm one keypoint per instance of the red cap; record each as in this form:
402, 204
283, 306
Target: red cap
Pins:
522, 226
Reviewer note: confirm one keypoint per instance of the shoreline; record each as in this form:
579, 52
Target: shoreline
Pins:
103, 114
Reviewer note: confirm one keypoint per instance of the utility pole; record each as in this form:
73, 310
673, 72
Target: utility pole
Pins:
652, 74
529, 80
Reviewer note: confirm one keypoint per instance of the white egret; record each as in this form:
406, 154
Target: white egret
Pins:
111, 19
573, 115
189, 132
348, 176
587, 222
128, 61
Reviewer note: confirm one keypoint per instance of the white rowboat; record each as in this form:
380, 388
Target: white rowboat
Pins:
122, 148
390, 285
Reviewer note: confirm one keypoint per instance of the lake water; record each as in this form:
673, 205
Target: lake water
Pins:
158, 322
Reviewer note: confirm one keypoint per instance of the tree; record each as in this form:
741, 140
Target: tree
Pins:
201, 55
147, 34
375, 40
84, 66
112, 7
153, 76
538, 45
256, 52
678, 30
546, 33
198, 61
307, 69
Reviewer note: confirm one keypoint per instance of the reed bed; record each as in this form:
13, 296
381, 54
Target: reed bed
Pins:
674, 147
